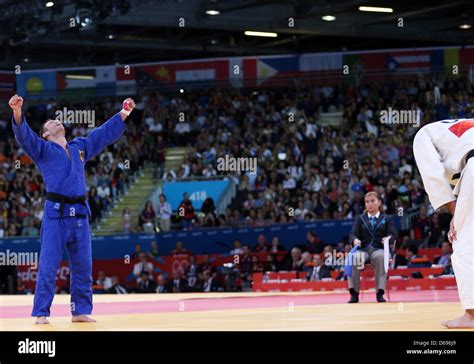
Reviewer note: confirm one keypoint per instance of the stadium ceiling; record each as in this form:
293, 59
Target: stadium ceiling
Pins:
36, 34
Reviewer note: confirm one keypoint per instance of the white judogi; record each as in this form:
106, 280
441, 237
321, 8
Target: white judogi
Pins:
440, 149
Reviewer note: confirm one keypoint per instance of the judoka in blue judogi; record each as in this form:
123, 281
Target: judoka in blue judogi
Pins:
65, 224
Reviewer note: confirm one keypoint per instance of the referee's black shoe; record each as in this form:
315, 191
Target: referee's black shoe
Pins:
380, 294
354, 296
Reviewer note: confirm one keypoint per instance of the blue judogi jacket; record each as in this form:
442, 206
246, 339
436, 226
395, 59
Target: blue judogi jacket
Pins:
62, 175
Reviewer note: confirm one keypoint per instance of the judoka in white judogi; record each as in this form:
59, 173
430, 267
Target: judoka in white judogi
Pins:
444, 153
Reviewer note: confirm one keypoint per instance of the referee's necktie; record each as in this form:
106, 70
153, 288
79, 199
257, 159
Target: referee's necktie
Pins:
373, 220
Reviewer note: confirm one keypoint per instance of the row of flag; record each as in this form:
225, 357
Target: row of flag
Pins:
235, 71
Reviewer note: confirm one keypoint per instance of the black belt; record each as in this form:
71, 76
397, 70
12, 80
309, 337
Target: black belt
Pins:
56, 197
470, 154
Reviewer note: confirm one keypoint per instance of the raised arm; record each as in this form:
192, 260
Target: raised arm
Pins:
108, 132
31, 143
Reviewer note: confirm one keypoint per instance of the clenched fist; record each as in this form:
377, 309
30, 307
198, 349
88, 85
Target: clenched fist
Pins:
128, 104
16, 102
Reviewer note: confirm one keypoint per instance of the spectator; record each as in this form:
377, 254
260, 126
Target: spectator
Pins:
237, 248
445, 258
270, 264
262, 245
154, 252
205, 263
319, 271
436, 233
31, 229
210, 283
178, 284
289, 183
127, 220
245, 261
411, 255
307, 264
116, 287
192, 272
103, 280
143, 266
164, 214
294, 263
421, 227
103, 191
256, 266
145, 283
276, 246
314, 245
208, 206
147, 218
169, 176
94, 204
179, 249
162, 286
186, 212
138, 250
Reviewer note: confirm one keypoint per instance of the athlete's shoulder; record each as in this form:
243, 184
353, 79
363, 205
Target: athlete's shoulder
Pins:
79, 141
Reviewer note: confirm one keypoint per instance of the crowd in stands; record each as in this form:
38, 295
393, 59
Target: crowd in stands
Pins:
313, 259
306, 171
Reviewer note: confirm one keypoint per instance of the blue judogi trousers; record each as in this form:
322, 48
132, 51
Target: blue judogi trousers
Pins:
57, 235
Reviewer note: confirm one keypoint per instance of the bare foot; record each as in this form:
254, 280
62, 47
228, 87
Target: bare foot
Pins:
465, 321
82, 318
41, 320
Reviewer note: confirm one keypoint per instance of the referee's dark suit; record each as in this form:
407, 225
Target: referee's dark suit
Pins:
370, 230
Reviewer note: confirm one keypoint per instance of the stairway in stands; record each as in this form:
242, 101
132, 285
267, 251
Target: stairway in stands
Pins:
137, 195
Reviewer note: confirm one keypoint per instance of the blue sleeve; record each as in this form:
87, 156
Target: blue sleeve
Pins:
102, 136
29, 141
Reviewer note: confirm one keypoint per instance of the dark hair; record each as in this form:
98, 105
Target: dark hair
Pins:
413, 248
43, 130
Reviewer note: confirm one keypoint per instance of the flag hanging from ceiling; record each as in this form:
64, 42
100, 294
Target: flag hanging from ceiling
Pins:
7, 81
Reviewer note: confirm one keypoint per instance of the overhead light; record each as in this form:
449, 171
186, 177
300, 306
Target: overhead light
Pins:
375, 9
26, 59
212, 12
110, 36
79, 77
465, 26
328, 17
49, 4
253, 33
84, 17
181, 91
